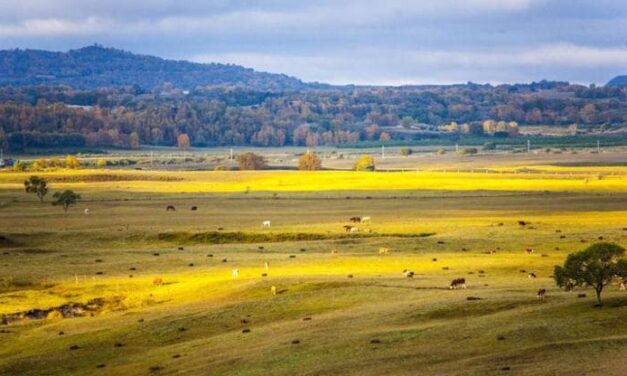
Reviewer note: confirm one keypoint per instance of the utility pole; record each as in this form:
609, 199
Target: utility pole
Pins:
382, 151
598, 145
456, 148
528, 146
151, 158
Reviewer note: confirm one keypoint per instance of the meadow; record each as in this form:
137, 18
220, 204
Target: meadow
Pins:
341, 307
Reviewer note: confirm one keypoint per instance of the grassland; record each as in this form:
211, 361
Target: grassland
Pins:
350, 309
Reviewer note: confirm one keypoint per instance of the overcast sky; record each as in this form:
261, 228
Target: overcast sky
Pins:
350, 41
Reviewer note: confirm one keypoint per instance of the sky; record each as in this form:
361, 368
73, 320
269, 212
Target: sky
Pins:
379, 42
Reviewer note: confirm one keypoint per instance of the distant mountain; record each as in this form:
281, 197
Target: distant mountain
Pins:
97, 66
618, 81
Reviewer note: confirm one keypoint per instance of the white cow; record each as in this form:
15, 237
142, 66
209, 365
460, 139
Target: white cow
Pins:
365, 219
265, 224
354, 230
273, 290
86, 211
235, 273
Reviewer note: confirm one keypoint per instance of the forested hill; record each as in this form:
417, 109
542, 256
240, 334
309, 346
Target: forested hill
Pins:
618, 81
95, 66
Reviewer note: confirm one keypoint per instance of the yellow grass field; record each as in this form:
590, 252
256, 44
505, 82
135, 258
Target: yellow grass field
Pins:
341, 308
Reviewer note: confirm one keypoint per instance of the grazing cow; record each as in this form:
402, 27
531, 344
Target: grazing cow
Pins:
235, 273
265, 224
273, 290
621, 284
523, 223
541, 294
532, 275
458, 283
170, 208
408, 273
157, 281
384, 251
355, 219
365, 220
86, 211
194, 208
354, 230
529, 251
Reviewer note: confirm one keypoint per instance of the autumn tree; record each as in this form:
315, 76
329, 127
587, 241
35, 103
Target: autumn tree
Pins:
65, 199
133, 140
595, 266
365, 163
72, 162
38, 186
309, 162
251, 161
183, 141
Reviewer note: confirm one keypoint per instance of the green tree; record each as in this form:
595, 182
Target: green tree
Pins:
594, 266
365, 163
38, 186
65, 199
309, 162
251, 161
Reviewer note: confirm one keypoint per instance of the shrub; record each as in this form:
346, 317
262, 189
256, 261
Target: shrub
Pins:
406, 151
309, 162
468, 151
489, 146
101, 163
251, 161
365, 163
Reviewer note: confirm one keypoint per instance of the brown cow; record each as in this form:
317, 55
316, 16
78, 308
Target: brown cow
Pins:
541, 294
458, 283
170, 208
355, 219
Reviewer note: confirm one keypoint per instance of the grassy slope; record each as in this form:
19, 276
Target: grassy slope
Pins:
423, 327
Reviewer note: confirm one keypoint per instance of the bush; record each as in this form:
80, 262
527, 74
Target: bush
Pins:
406, 151
365, 163
489, 146
468, 151
309, 162
251, 161
441, 152
219, 168
101, 163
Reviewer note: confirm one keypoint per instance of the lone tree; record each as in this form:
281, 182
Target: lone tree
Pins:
182, 141
66, 198
365, 163
38, 186
309, 162
594, 266
251, 161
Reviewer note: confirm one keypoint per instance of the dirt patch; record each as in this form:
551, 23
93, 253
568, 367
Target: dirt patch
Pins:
219, 237
68, 310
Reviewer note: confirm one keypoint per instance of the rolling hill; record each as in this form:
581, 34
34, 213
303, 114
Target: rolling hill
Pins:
96, 66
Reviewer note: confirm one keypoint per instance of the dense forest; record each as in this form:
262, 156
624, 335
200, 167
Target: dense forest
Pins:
127, 115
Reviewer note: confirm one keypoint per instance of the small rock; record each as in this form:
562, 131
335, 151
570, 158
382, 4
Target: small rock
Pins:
61, 333
500, 338
155, 254
74, 347
176, 356
246, 331
375, 341
118, 344
101, 366
295, 342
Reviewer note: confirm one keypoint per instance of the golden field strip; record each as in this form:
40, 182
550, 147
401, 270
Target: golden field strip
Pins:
536, 178
341, 308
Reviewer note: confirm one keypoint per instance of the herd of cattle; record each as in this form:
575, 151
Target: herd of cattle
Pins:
456, 283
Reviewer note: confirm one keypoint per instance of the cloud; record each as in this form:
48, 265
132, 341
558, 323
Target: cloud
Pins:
362, 41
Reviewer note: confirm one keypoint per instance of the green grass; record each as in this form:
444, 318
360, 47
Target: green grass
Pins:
48, 258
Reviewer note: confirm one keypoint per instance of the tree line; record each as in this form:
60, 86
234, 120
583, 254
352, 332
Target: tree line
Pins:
40, 117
